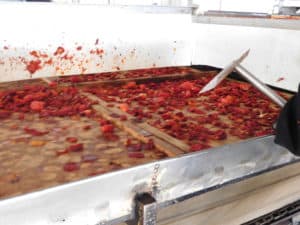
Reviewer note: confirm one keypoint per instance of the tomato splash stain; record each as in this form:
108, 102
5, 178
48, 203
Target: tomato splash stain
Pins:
280, 79
33, 66
59, 51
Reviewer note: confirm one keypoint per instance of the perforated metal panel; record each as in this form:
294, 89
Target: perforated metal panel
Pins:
282, 216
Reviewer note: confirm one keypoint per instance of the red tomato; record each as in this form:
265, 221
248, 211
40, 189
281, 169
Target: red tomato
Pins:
124, 107
107, 128
71, 166
37, 105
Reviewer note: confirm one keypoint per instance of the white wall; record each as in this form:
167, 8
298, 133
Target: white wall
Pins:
264, 6
129, 2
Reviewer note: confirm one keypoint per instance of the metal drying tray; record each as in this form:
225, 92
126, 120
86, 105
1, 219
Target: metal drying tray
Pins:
109, 198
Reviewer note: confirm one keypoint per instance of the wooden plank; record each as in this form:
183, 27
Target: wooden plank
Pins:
156, 132
192, 73
136, 79
165, 137
136, 130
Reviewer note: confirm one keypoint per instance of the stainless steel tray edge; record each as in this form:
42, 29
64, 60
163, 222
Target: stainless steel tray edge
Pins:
109, 197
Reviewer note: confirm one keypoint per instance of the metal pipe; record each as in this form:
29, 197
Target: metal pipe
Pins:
224, 73
261, 86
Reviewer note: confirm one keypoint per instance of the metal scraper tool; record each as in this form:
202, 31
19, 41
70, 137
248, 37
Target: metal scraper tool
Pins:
235, 65
224, 73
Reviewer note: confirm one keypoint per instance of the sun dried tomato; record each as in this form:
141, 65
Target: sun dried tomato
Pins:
134, 147
219, 135
110, 137
124, 107
89, 158
71, 166
107, 128
4, 114
61, 152
98, 172
75, 148
53, 84
149, 145
71, 139
87, 127
227, 100
187, 85
129, 85
136, 155
123, 117
198, 147
37, 105
35, 132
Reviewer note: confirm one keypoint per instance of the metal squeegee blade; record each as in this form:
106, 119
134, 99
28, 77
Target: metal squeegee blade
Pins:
224, 73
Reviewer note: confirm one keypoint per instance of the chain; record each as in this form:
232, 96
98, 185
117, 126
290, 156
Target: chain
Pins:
154, 182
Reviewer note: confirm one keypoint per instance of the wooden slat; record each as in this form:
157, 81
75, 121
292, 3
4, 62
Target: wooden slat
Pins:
145, 126
165, 137
148, 78
192, 73
136, 130
136, 79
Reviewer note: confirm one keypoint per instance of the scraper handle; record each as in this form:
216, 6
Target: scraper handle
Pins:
277, 99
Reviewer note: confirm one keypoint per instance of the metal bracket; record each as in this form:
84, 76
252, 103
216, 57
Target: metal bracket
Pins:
146, 210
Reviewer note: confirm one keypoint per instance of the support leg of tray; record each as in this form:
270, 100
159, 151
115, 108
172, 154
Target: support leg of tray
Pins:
146, 210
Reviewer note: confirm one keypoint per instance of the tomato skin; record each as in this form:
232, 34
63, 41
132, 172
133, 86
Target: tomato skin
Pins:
33, 66
198, 147
35, 132
89, 158
60, 50
124, 107
137, 155
71, 139
107, 128
71, 166
75, 148
227, 100
37, 105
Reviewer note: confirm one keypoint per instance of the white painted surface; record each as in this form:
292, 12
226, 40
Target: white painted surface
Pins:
262, 6
129, 39
274, 53
133, 40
